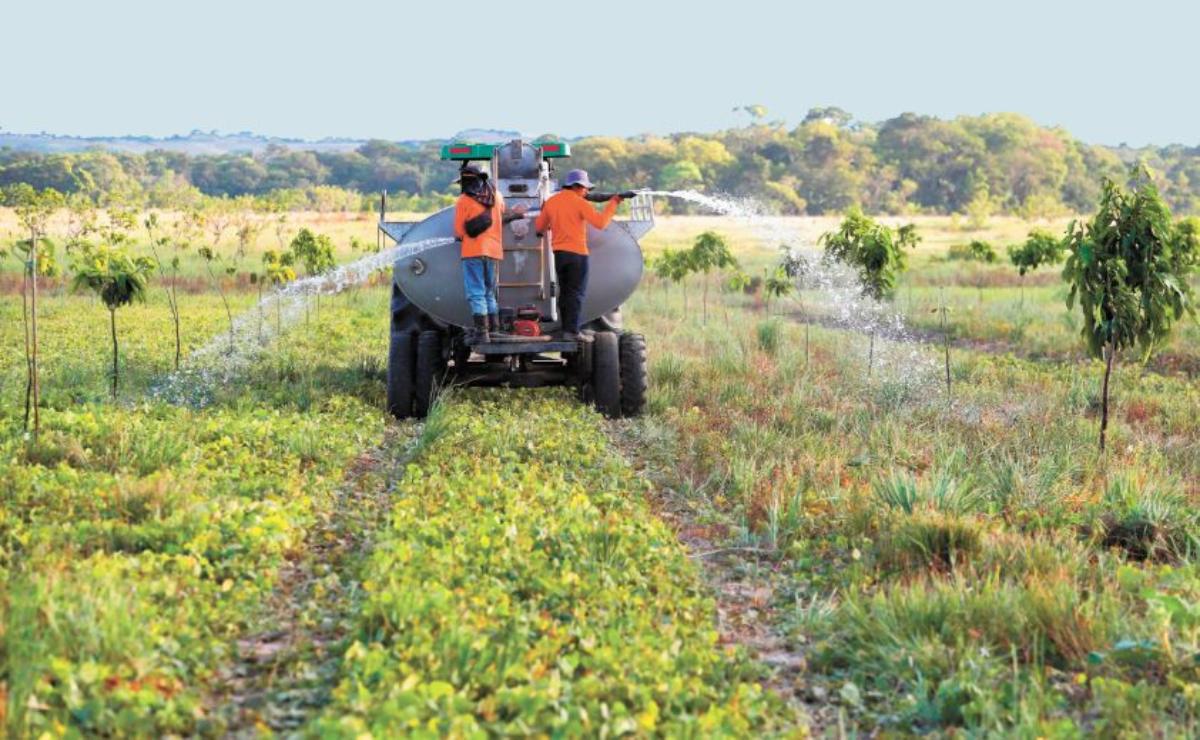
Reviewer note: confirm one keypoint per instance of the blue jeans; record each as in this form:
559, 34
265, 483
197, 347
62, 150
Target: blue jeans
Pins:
479, 280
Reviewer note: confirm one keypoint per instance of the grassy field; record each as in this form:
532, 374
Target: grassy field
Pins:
784, 544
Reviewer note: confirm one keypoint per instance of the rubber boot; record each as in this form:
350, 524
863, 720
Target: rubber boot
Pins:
493, 323
479, 334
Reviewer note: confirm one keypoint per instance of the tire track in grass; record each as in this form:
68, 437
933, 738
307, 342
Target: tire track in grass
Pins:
524, 587
284, 672
744, 580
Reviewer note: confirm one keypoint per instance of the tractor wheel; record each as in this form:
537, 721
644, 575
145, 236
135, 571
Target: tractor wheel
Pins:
606, 374
633, 374
401, 358
430, 366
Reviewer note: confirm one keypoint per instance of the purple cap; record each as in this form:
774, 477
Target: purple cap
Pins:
577, 177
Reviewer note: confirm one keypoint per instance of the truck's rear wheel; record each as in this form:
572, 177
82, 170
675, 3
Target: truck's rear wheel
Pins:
400, 374
429, 369
606, 374
633, 374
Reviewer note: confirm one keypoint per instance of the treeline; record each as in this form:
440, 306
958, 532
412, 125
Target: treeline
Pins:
830, 162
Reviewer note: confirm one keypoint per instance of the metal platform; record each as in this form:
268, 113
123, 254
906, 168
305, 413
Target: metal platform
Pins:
524, 345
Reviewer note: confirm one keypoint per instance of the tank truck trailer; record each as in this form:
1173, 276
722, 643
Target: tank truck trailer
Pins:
430, 314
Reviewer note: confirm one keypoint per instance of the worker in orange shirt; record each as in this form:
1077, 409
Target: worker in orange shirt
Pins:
566, 214
479, 219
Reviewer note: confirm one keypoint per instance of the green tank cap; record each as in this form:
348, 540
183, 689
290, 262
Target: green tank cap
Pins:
553, 149
463, 151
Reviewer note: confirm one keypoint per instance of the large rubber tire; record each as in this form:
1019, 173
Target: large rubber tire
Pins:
633, 374
430, 367
402, 357
606, 374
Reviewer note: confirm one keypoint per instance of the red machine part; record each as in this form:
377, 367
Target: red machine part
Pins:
527, 328
528, 322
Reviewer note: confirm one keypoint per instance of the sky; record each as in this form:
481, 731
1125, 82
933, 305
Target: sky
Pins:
1110, 72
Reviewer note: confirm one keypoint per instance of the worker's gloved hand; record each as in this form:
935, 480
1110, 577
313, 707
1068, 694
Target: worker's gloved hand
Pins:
481, 223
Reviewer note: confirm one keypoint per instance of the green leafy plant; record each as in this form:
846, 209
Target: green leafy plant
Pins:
976, 250
777, 285
1039, 248
710, 252
118, 280
1128, 268
875, 252
315, 252
595, 596
278, 270
674, 266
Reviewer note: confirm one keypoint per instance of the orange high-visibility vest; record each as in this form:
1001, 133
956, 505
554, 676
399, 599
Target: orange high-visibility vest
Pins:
491, 242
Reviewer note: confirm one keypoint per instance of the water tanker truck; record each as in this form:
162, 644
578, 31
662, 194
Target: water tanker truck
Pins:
428, 346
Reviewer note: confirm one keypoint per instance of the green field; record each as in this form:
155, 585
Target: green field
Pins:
785, 544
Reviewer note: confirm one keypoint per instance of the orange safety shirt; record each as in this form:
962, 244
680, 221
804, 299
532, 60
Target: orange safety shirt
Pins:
491, 242
567, 214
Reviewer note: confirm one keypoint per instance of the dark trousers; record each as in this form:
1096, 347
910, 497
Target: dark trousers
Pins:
572, 285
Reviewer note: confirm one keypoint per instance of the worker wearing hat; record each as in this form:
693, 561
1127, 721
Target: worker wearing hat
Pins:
479, 219
566, 214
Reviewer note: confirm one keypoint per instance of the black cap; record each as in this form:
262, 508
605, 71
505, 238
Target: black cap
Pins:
470, 169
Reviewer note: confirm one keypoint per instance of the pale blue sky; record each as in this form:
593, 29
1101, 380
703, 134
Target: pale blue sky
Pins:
1108, 71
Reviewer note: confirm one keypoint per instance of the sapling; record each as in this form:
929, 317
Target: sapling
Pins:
34, 210
675, 266
796, 268
118, 280
875, 252
315, 251
168, 270
777, 285
218, 270
81, 222
1039, 248
710, 252
246, 224
277, 271
1128, 268
738, 282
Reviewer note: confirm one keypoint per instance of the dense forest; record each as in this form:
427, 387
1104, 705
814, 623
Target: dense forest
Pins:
994, 163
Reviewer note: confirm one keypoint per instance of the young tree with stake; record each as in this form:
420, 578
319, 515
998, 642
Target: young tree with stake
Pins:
315, 251
710, 252
34, 210
1128, 269
777, 285
675, 266
278, 270
875, 252
168, 270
